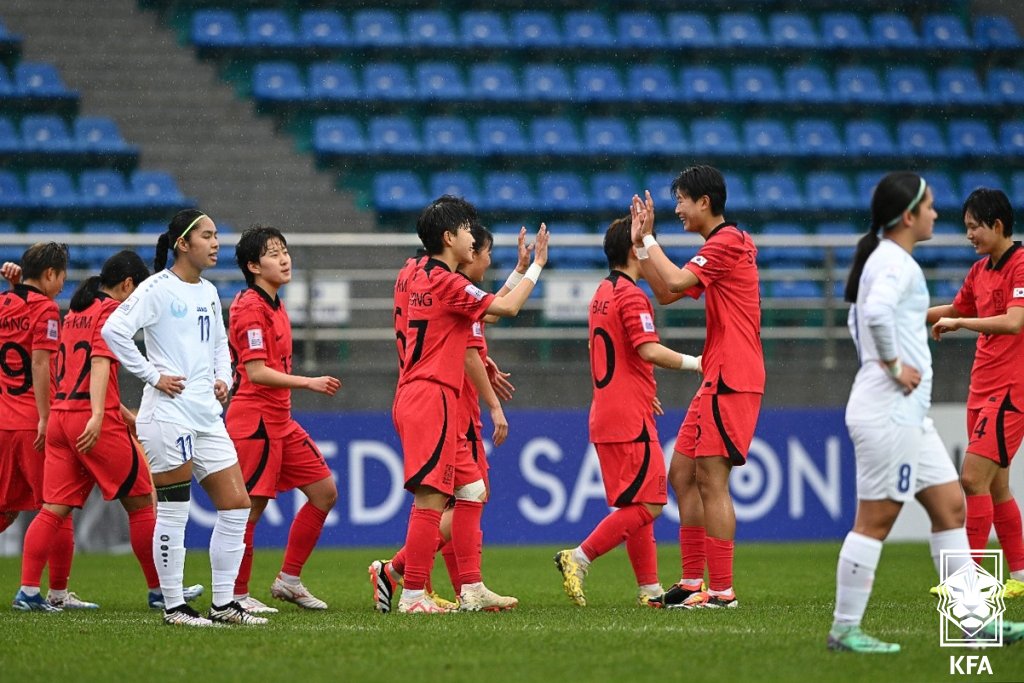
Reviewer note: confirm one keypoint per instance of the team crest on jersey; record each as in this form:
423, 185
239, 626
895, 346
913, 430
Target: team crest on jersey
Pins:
699, 260
255, 339
478, 330
52, 331
179, 309
475, 292
1018, 292
647, 322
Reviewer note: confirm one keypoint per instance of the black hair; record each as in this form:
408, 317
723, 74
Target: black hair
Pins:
252, 245
618, 240
178, 225
116, 269
988, 205
482, 237
43, 255
891, 198
447, 213
698, 181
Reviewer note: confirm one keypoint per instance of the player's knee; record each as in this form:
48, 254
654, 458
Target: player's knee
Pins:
972, 483
655, 510
475, 492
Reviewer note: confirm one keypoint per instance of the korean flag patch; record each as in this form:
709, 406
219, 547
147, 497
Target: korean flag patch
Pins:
699, 260
1018, 292
52, 330
255, 339
475, 292
647, 322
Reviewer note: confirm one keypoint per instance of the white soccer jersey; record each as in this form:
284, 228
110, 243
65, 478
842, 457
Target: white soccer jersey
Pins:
184, 334
888, 321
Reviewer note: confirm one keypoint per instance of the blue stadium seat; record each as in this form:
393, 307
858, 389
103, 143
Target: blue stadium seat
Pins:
535, 29
995, 32
398, 191
394, 135
338, 135
546, 82
333, 81
909, 85
797, 255
483, 29
859, 84
387, 81
599, 83
651, 83
501, 135
561, 191
808, 84
41, 80
447, 135
920, 139
687, 29
1006, 86
277, 82
156, 188
969, 138
703, 84
830, 190
493, 82
270, 28
738, 196
377, 28
587, 29
755, 84
439, 81
8, 229
1011, 138
639, 29
613, 191
945, 31
1017, 188
662, 136
714, 136
893, 31
958, 85
660, 187
509, 191
766, 137
843, 255
216, 28
10, 140
98, 134
11, 194
945, 194
868, 138
796, 289
456, 183
51, 190
842, 30
792, 30
817, 137
105, 188
324, 28
46, 133
6, 83
736, 29
777, 191
575, 257
554, 135
607, 136
430, 28
972, 180
151, 228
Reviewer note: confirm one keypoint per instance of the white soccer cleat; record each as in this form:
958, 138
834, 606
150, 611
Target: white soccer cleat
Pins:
254, 606
190, 593
183, 615
233, 613
420, 605
383, 584
480, 598
644, 595
295, 593
69, 601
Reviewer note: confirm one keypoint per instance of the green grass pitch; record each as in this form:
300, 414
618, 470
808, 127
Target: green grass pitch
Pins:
777, 634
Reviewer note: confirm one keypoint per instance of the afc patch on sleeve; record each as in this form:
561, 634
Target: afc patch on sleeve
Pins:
478, 330
128, 304
52, 330
699, 260
647, 322
475, 292
1018, 292
255, 338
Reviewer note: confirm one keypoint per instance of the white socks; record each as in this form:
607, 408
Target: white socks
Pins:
227, 544
169, 550
855, 575
581, 557
950, 539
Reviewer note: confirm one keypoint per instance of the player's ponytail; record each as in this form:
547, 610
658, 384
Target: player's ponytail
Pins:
118, 268
179, 227
85, 294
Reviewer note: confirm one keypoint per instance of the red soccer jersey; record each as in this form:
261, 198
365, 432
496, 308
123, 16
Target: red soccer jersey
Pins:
29, 321
259, 329
991, 289
726, 267
470, 425
80, 342
442, 308
405, 276
621, 319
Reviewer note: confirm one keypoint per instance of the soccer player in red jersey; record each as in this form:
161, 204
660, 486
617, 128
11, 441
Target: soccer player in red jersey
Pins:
442, 309
991, 302
720, 421
275, 452
624, 348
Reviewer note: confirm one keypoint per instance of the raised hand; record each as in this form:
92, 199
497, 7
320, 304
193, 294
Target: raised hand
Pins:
540, 246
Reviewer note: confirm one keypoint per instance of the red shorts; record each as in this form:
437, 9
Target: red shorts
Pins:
117, 463
995, 431
719, 425
471, 463
425, 418
633, 472
271, 464
21, 471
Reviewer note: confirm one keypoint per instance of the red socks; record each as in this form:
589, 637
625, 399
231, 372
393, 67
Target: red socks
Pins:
420, 546
720, 554
692, 548
614, 529
40, 537
245, 568
979, 520
643, 554
465, 539
1006, 517
140, 533
302, 538
452, 564
61, 552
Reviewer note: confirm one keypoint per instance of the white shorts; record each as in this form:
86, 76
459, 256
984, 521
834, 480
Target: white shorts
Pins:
169, 446
895, 462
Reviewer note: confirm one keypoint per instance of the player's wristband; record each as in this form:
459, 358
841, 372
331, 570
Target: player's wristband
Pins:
514, 278
896, 369
649, 241
533, 272
641, 253
688, 362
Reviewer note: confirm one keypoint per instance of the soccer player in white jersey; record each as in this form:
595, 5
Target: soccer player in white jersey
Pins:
188, 376
898, 452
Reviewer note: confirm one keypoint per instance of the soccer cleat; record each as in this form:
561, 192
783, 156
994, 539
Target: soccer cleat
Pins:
184, 615
254, 606
720, 601
382, 584
444, 603
852, 639
34, 603
938, 591
1013, 632
190, 593
69, 601
644, 595
675, 597
233, 613
420, 605
295, 593
482, 599
572, 576
1013, 589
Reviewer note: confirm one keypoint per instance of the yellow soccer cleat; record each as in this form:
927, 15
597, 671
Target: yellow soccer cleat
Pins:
572, 576
442, 603
1013, 589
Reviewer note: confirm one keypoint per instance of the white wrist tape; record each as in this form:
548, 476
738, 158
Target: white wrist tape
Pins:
533, 272
896, 369
688, 362
514, 278
641, 253
649, 241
